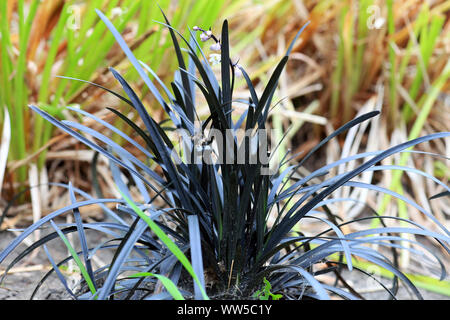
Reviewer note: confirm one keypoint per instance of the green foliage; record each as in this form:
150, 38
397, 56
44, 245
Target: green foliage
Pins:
168, 284
265, 293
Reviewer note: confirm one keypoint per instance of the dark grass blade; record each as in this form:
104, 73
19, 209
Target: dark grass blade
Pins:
316, 285
59, 264
365, 254
11, 203
90, 144
34, 246
159, 142
132, 58
191, 70
344, 242
284, 228
291, 45
178, 97
371, 187
138, 183
58, 273
337, 132
90, 281
116, 147
81, 235
138, 130
381, 240
161, 83
241, 120
306, 240
410, 170
440, 195
101, 226
126, 247
101, 87
342, 293
46, 219
97, 148
250, 86
210, 95
123, 242
117, 177
95, 177
399, 196
266, 98
368, 274
339, 277
225, 71
264, 101
422, 232
186, 83
115, 130
196, 254
342, 129
323, 170
318, 253
394, 270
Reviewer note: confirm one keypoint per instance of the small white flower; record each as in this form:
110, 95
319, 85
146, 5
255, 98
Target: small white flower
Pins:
204, 37
379, 22
116, 12
214, 59
209, 33
196, 28
215, 47
237, 71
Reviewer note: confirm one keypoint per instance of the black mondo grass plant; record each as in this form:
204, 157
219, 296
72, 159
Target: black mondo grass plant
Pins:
230, 225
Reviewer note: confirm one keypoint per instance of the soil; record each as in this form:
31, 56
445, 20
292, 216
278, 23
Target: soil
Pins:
20, 284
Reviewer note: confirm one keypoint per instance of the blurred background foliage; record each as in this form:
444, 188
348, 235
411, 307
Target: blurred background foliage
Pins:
44, 39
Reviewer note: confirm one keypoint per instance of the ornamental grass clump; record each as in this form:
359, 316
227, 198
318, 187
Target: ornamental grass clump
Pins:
216, 219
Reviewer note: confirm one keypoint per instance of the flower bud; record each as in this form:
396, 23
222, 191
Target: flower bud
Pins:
215, 47
237, 70
196, 28
204, 37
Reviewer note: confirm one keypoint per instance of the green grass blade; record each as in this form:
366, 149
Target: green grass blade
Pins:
168, 284
20, 90
167, 241
77, 260
393, 99
44, 90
